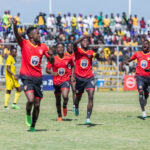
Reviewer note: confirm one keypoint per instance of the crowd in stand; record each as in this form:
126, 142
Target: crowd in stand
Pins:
106, 30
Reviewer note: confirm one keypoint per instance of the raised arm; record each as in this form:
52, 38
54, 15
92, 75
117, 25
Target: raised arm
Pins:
80, 39
18, 37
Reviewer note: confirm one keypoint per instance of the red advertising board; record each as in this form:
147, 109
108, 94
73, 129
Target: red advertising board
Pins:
130, 83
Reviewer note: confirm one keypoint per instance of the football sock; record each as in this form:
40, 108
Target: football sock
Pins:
7, 96
144, 114
17, 95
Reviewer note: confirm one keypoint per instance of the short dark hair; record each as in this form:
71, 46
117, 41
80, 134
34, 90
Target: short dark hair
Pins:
30, 29
12, 48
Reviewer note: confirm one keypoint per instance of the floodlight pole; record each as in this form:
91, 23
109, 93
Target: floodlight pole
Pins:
130, 7
50, 6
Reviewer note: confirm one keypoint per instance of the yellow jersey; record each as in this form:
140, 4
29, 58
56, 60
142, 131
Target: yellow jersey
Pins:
106, 22
10, 61
135, 21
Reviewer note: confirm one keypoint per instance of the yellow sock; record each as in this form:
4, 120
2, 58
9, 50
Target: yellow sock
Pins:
17, 95
6, 99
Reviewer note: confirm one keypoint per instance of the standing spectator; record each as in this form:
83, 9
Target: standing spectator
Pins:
148, 25
40, 20
124, 20
130, 23
135, 22
118, 22
64, 21
18, 18
106, 21
69, 20
85, 25
90, 21
80, 22
142, 25
112, 22
49, 22
58, 21
100, 20
74, 22
95, 23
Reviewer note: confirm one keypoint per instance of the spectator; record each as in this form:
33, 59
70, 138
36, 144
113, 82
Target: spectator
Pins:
90, 21
135, 22
58, 22
80, 22
74, 22
69, 21
143, 25
100, 19
95, 23
130, 23
112, 22
40, 20
18, 18
118, 22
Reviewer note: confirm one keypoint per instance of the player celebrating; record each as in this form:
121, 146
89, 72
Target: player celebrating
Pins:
32, 52
142, 74
61, 77
84, 74
11, 79
70, 53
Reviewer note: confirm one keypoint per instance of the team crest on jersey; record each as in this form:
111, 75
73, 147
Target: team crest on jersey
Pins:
84, 63
61, 71
143, 64
34, 60
41, 51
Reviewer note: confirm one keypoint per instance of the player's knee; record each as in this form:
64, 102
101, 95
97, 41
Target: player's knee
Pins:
37, 105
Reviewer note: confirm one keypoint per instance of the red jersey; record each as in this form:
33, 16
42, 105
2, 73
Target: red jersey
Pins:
31, 58
83, 63
143, 62
61, 67
73, 59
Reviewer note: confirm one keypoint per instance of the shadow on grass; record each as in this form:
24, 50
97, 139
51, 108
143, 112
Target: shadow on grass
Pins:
67, 119
140, 117
89, 125
39, 130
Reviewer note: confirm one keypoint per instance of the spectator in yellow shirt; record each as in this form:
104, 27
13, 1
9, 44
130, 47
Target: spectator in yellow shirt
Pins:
95, 23
106, 21
18, 18
74, 22
135, 22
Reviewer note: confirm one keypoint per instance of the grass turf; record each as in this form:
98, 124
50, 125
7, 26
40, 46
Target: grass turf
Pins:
116, 125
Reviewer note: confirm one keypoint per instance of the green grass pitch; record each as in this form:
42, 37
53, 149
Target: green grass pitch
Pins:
116, 125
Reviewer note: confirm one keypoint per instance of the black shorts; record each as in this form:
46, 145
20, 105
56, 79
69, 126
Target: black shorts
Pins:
61, 86
143, 83
31, 84
84, 84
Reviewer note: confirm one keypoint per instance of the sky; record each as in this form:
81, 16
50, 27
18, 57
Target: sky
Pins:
30, 8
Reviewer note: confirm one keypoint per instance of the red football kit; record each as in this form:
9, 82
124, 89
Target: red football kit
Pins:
31, 58
83, 63
61, 67
143, 62
73, 59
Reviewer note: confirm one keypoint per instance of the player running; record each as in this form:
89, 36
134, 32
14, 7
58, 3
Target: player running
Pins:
70, 53
61, 78
142, 75
32, 52
11, 79
84, 74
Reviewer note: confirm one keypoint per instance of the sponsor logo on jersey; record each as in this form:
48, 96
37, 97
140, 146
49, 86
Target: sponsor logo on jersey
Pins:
61, 71
84, 63
143, 64
34, 60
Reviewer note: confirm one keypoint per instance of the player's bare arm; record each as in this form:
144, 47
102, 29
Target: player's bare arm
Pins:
18, 37
50, 71
9, 70
80, 39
